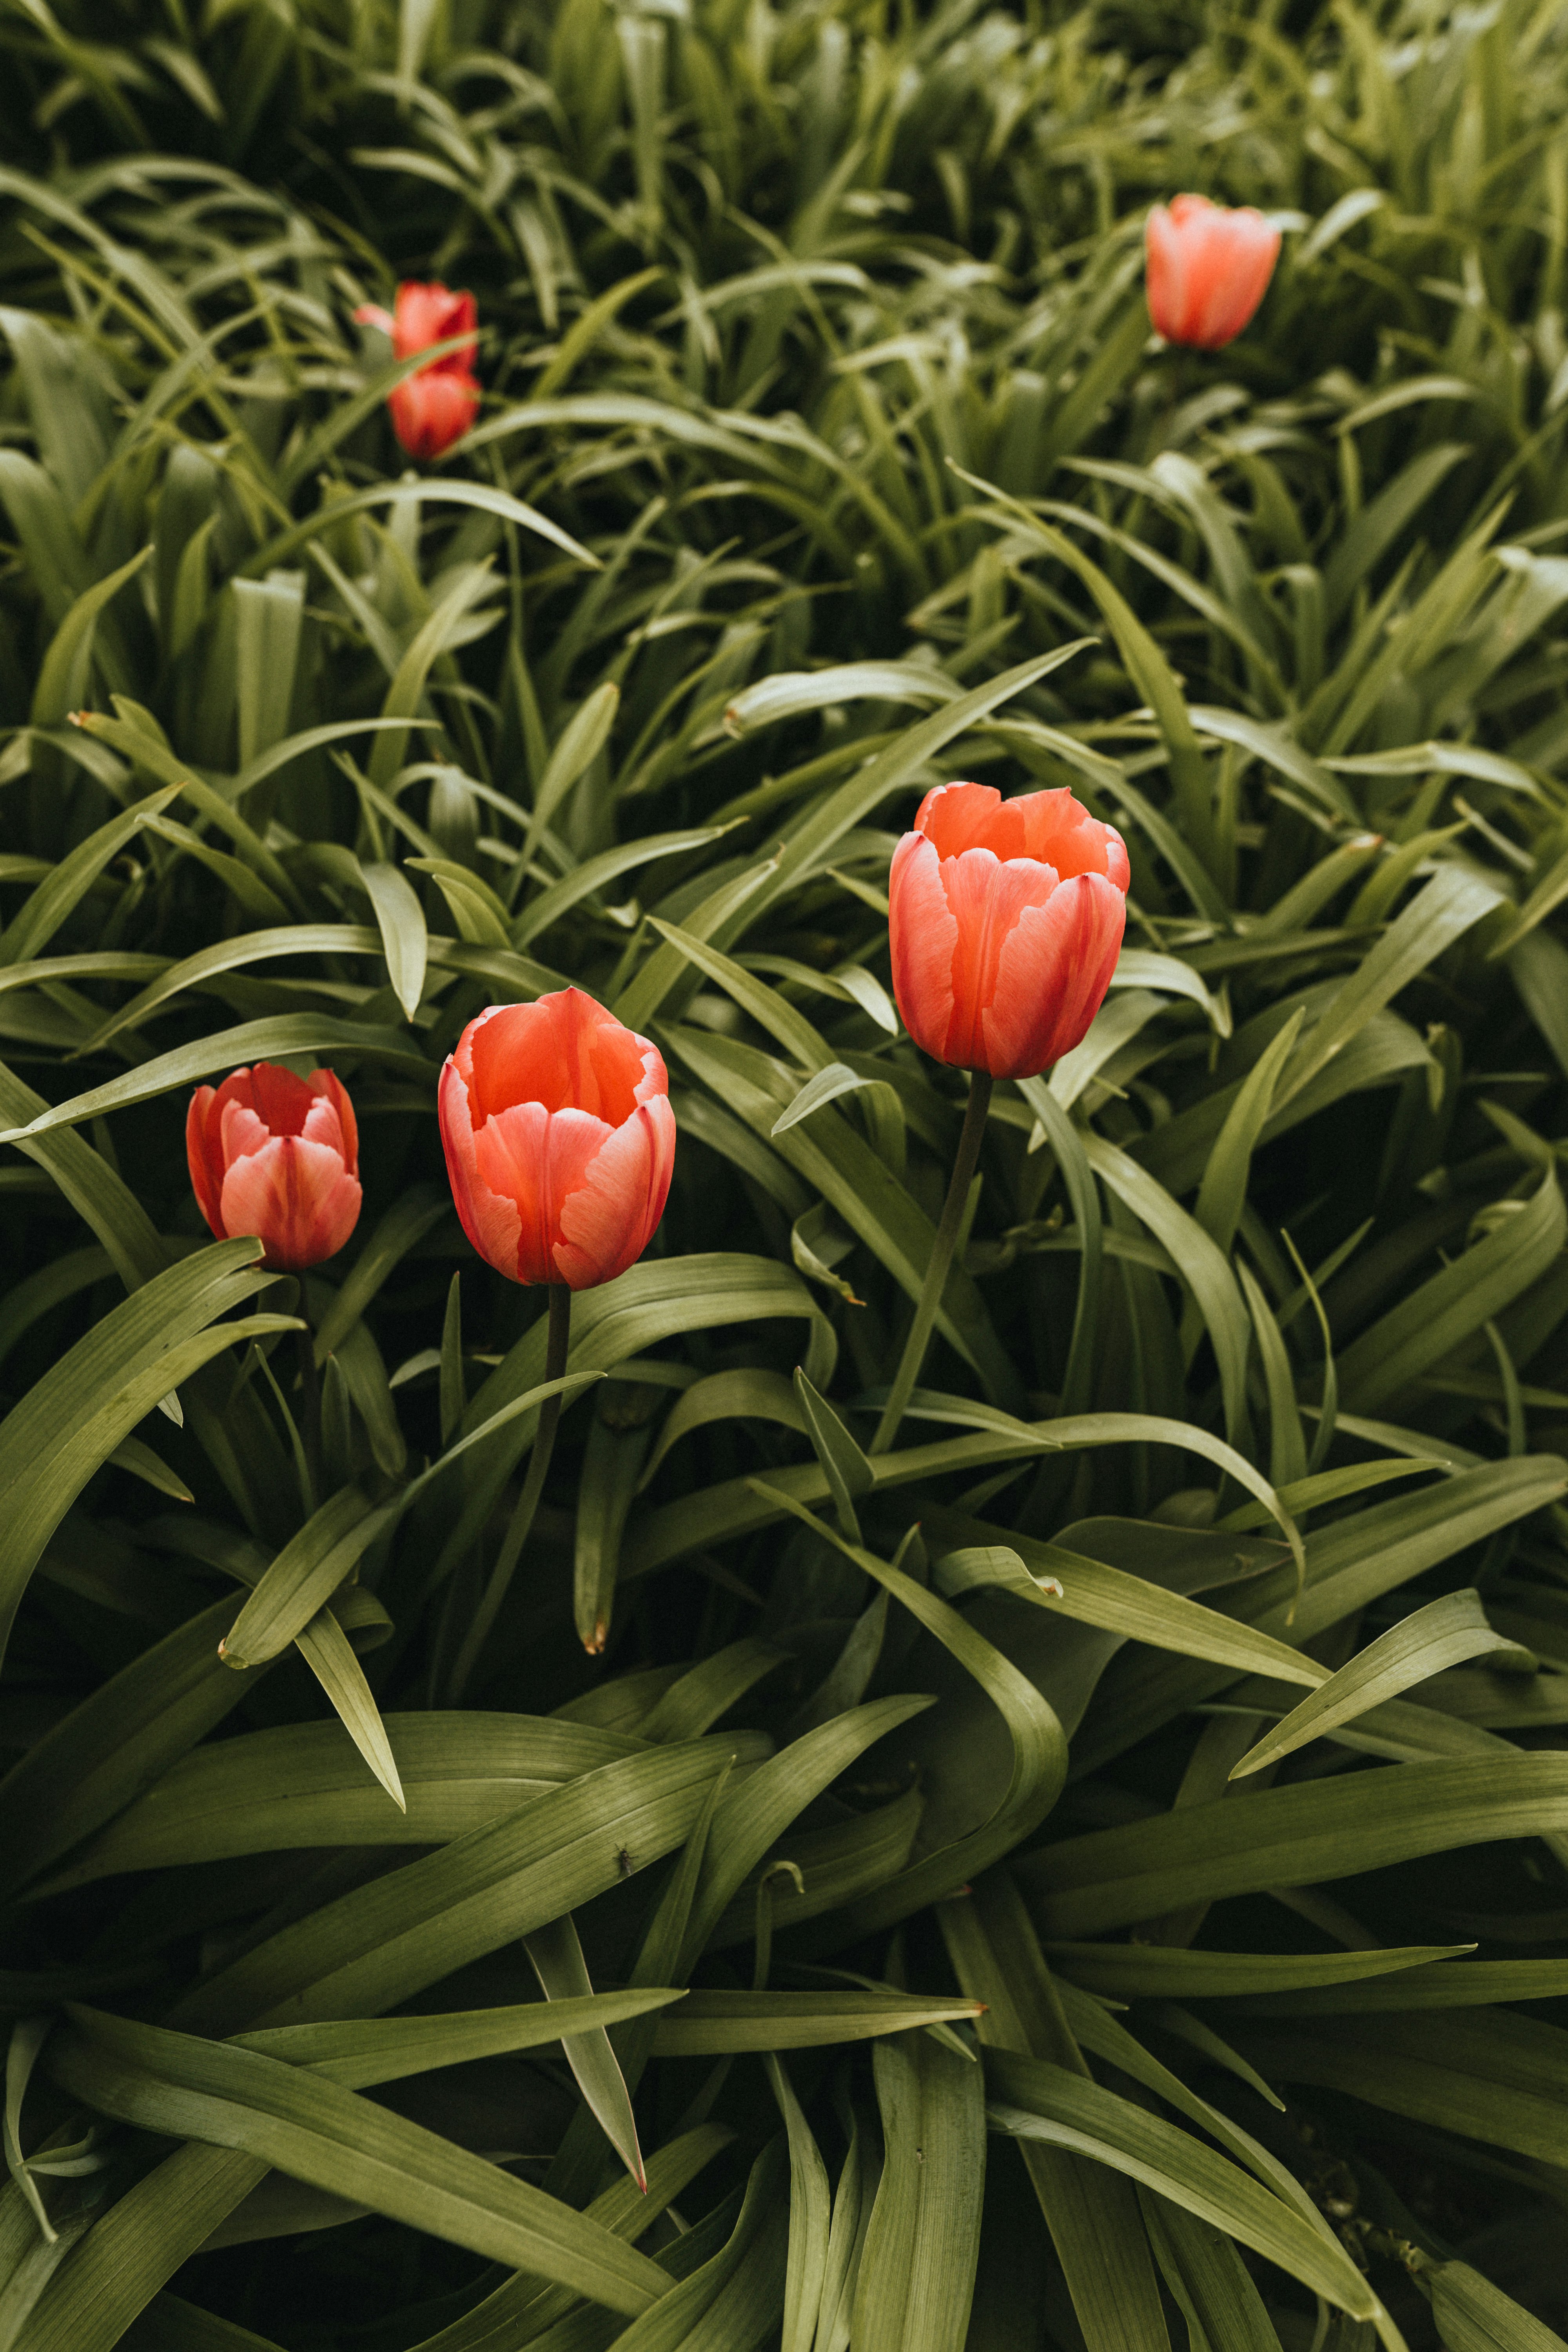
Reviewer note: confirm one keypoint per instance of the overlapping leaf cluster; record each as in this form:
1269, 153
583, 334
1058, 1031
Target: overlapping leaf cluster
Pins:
1091, 1876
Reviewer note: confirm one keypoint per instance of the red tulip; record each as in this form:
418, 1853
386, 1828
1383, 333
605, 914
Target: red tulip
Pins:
277, 1156
1209, 269
1005, 919
435, 405
559, 1138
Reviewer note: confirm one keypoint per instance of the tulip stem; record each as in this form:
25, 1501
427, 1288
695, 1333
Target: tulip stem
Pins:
947, 1232
557, 1342
310, 1407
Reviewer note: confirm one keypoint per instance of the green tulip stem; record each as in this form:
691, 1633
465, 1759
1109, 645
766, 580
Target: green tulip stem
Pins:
309, 1404
947, 1232
556, 1345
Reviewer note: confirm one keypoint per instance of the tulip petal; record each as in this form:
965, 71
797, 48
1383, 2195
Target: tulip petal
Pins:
327, 1085
204, 1157
491, 1223
609, 1220
956, 817
922, 935
431, 410
1165, 260
432, 314
562, 1051
296, 1197
1054, 968
988, 898
281, 1100
534, 1158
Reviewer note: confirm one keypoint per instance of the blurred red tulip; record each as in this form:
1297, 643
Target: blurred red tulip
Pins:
1005, 920
1209, 269
559, 1138
277, 1156
435, 405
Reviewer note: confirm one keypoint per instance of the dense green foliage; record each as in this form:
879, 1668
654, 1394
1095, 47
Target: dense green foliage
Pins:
825, 455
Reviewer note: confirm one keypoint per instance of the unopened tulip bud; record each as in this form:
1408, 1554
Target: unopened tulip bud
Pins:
435, 405
1209, 269
277, 1156
559, 1140
1005, 920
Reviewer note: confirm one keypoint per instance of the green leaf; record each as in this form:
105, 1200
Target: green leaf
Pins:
1040, 1756
129, 2252
711, 2022
1203, 1267
1429, 1322
73, 1419
63, 673
299, 1785
858, 1184
811, 841
405, 1224
1090, 2211
361, 2052
1096, 1595
400, 918
917, 2272
758, 1809
1491, 2075
306, 1572
372, 1948
55, 898
328, 1652
1032, 2100
810, 2217
317, 2131
595, 872
563, 1973
1207, 2278
1291, 1837
1474, 2316
274, 1039
1132, 1971
1444, 1634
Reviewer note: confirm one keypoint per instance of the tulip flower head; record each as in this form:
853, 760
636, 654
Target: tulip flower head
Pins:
559, 1140
1209, 269
435, 405
277, 1156
1005, 920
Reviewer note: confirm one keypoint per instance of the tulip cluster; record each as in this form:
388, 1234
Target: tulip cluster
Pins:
1005, 920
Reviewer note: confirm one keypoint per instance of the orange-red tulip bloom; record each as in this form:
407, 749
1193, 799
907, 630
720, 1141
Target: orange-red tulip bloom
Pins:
559, 1138
1209, 269
277, 1156
1005, 920
435, 405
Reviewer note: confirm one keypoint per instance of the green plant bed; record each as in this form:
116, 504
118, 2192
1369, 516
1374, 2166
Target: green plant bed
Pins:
1080, 1865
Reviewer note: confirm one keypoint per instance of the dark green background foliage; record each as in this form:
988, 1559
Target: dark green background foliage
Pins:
825, 455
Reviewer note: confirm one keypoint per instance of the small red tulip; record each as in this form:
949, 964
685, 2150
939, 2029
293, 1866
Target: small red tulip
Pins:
1209, 269
1005, 921
277, 1156
559, 1140
435, 405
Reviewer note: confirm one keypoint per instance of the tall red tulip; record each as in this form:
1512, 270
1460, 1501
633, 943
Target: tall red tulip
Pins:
559, 1140
435, 405
1209, 269
1005, 920
277, 1156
